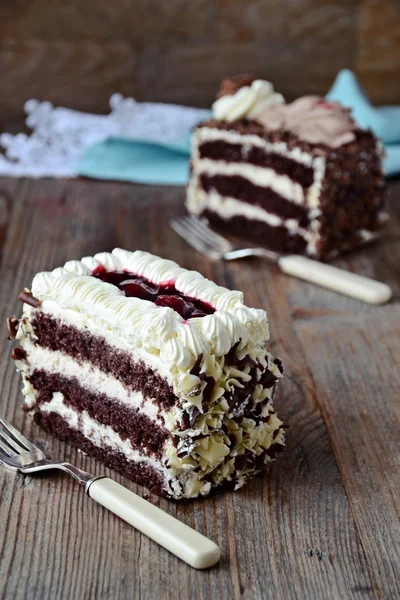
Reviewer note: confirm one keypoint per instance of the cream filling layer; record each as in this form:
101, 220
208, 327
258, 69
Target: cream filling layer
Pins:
104, 436
85, 325
99, 435
227, 208
89, 377
212, 134
260, 176
317, 163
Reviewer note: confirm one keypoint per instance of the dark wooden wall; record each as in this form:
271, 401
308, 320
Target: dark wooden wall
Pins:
77, 53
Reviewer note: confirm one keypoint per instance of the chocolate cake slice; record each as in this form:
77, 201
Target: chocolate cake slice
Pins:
299, 178
152, 369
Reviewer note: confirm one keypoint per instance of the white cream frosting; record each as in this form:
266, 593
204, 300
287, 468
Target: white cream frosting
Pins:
247, 101
158, 330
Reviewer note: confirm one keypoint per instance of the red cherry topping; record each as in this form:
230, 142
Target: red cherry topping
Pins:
98, 270
162, 295
137, 290
178, 304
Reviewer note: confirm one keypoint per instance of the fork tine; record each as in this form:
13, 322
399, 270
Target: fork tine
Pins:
191, 237
187, 228
203, 229
18, 437
5, 446
14, 445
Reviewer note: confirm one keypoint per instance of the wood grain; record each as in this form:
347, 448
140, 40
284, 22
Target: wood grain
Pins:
80, 75
78, 53
323, 523
129, 20
378, 56
364, 425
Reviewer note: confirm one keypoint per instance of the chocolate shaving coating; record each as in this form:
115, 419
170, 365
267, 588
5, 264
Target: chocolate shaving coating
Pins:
189, 419
268, 379
12, 326
186, 447
240, 403
18, 354
195, 370
29, 299
210, 381
231, 85
231, 358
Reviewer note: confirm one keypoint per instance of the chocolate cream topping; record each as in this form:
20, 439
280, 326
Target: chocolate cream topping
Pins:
312, 119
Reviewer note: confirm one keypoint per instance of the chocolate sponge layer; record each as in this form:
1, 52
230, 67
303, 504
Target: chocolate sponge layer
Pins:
240, 188
128, 422
276, 238
254, 155
83, 347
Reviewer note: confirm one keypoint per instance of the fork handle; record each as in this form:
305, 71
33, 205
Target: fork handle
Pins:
189, 545
337, 280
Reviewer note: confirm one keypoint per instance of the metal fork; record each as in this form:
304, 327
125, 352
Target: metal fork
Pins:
198, 235
17, 453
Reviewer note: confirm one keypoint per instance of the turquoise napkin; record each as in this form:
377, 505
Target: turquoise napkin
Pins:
143, 162
168, 163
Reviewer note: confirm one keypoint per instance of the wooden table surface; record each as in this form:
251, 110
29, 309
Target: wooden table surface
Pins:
324, 521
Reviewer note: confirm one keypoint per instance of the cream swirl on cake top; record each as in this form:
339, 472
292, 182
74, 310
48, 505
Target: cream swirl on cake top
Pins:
312, 119
246, 101
157, 329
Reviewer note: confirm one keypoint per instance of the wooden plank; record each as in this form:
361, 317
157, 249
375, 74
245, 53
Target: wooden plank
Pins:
361, 405
200, 69
78, 53
278, 42
378, 44
308, 503
90, 50
121, 20
81, 75
6, 208
294, 534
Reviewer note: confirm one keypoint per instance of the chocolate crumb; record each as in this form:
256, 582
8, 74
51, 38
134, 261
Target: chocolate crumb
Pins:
12, 326
27, 297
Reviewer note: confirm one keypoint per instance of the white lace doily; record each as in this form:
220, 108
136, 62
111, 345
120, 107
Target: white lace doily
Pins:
60, 136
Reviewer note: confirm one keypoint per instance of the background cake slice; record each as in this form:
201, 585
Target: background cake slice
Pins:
300, 178
151, 368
